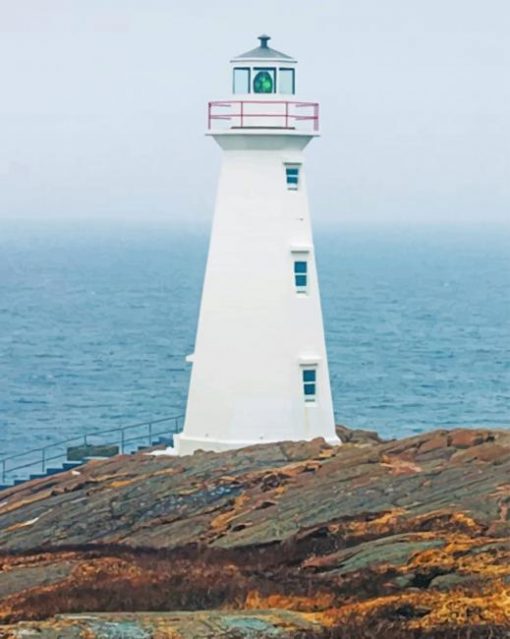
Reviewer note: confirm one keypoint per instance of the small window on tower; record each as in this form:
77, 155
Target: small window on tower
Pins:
310, 384
241, 80
301, 276
292, 176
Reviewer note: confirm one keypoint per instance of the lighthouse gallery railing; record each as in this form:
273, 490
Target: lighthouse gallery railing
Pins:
280, 114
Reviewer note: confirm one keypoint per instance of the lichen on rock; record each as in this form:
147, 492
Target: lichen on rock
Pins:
295, 539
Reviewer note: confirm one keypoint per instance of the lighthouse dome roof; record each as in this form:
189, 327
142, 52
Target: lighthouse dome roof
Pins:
264, 52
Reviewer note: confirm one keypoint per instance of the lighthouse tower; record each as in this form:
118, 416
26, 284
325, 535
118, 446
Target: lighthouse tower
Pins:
260, 370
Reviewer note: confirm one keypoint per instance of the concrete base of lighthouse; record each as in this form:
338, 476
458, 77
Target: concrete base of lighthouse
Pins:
188, 445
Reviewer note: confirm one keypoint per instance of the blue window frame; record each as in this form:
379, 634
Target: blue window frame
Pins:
301, 276
309, 375
292, 176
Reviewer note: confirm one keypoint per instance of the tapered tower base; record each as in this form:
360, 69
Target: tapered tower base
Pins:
188, 445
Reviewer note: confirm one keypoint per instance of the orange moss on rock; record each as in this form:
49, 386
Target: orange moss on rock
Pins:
313, 603
403, 536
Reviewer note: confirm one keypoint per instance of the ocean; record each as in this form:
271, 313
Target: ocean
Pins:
95, 324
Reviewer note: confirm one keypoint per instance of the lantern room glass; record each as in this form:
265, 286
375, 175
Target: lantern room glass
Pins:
286, 82
264, 81
241, 80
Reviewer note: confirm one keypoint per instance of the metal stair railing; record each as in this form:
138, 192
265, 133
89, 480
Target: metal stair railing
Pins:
41, 456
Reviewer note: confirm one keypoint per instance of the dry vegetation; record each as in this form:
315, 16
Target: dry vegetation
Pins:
434, 563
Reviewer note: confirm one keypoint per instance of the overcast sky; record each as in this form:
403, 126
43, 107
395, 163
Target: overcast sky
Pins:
103, 106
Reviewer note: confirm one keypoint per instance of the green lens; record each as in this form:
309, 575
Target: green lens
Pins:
263, 82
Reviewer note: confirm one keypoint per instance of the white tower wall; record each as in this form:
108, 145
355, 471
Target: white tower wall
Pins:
255, 331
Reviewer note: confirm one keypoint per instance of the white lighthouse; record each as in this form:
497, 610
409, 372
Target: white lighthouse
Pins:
260, 370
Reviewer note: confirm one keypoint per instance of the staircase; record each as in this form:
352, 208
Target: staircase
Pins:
69, 454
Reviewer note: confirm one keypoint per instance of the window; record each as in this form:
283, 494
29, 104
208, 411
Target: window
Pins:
286, 82
292, 176
264, 81
241, 80
310, 383
301, 276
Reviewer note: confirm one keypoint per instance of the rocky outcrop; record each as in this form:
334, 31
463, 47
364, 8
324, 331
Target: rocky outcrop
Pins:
403, 538
272, 624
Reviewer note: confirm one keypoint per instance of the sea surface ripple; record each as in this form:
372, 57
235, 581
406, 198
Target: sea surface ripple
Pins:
95, 326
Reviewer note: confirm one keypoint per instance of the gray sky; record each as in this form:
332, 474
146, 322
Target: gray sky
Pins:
103, 105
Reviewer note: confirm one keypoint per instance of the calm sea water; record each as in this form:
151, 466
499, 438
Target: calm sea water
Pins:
95, 325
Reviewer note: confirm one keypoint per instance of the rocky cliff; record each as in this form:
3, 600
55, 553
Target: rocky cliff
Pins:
406, 538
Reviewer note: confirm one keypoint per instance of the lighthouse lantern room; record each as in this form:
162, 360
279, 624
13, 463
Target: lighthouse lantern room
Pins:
259, 370
264, 71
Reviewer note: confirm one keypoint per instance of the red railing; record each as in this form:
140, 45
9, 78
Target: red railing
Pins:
262, 114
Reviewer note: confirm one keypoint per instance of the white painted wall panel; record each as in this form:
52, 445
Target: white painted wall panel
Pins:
254, 330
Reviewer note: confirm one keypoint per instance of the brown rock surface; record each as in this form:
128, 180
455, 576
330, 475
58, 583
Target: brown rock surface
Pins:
402, 538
